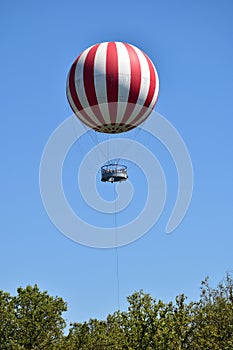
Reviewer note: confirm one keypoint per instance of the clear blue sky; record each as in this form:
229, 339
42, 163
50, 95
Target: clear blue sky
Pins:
191, 44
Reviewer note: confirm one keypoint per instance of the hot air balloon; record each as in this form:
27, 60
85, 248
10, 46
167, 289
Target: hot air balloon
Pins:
112, 87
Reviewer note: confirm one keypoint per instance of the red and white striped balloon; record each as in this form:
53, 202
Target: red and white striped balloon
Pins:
112, 87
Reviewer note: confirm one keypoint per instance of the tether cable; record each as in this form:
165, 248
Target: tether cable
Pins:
116, 249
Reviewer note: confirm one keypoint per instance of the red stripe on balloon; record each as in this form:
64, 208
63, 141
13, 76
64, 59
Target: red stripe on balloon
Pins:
138, 116
135, 81
89, 83
135, 68
74, 95
150, 94
155, 102
142, 116
112, 80
153, 82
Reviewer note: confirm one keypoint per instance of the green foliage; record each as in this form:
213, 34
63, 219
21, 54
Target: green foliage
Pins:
7, 320
149, 324
214, 316
33, 320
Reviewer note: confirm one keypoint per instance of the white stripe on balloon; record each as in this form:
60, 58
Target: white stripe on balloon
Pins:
79, 86
75, 109
123, 79
156, 88
100, 80
144, 87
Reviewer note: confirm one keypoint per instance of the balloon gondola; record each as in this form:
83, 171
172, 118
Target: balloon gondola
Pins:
114, 172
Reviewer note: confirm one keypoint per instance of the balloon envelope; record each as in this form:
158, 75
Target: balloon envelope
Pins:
112, 87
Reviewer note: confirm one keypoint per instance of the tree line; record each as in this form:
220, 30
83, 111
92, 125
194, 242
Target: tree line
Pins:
34, 320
